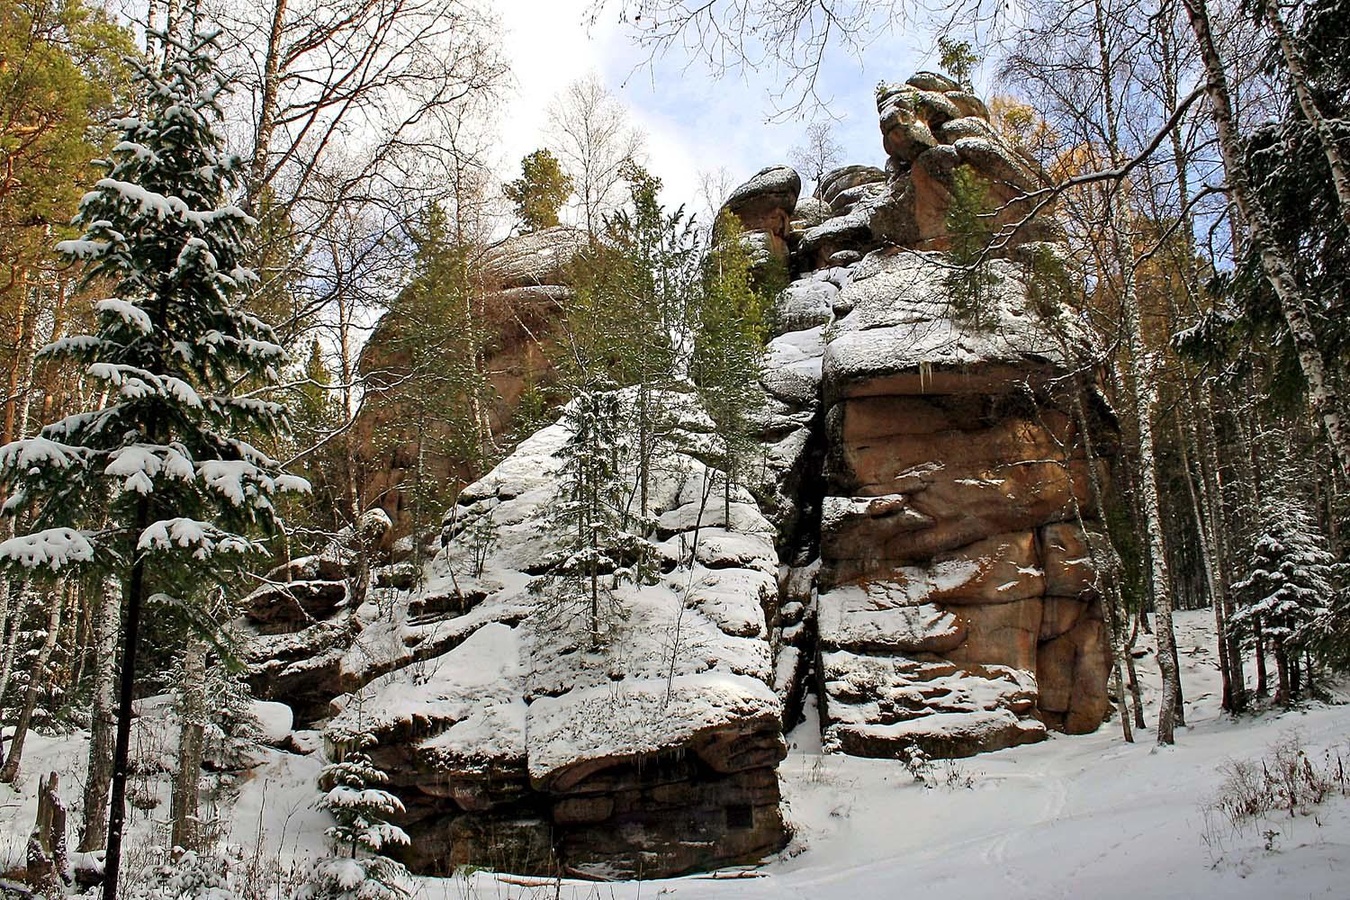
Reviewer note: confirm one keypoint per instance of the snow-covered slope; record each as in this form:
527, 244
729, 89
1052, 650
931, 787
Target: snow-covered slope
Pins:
1082, 816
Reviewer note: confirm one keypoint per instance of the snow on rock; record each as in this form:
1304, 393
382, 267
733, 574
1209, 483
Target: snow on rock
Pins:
514, 736
922, 460
275, 721
901, 335
880, 706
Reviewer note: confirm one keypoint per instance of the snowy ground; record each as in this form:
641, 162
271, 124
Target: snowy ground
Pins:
1074, 816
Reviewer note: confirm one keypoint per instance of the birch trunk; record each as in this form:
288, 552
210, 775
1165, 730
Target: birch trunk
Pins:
37, 680
1275, 263
267, 106
103, 718
1294, 67
1144, 397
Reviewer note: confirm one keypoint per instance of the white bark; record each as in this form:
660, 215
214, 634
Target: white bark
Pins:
36, 682
1145, 396
1279, 272
1294, 67
103, 717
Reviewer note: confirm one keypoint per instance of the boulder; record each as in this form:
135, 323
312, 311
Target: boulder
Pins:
767, 200
534, 258
514, 738
810, 212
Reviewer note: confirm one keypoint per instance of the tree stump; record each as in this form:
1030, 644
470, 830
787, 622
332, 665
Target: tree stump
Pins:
47, 855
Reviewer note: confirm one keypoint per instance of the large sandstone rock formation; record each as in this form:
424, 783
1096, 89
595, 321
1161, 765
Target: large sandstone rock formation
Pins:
919, 549
925, 470
524, 282
951, 582
513, 743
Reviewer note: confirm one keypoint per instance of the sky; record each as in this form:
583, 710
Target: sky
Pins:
694, 123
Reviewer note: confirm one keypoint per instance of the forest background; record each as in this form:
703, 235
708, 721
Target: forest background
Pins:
1196, 153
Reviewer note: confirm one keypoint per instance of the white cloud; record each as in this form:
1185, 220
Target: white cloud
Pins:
694, 123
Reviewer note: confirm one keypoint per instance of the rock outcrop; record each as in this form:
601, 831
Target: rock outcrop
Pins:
925, 472
931, 128
765, 205
953, 591
515, 742
524, 281
918, 549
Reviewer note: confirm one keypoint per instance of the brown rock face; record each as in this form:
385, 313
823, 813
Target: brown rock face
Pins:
524, 281
956, 607
976, 520
765, 205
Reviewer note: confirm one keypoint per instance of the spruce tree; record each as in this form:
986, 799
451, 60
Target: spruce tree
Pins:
729, 348
968, 226
600, 543
160, 487
1290, 579
360, 808
631, 322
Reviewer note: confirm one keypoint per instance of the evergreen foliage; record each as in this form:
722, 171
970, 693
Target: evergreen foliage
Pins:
429, 381
190, 876
1289, 580
631, 323
730, 345
968, 228
602, 541
161, 484
957, 59
540, 191
361, 809
163, 461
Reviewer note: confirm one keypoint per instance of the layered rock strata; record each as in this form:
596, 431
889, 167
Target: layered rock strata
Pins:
923, 456
515, 742
918, 550
954, 595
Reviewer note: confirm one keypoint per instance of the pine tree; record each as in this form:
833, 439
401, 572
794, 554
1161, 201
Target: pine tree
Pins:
158, 486
968, 217
1289, 581
600, 538
361, 833
190, 876
631, 323
729, 347
540, 191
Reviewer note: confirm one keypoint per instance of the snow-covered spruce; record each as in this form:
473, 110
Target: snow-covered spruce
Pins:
160, 488
1290, 582
362, 831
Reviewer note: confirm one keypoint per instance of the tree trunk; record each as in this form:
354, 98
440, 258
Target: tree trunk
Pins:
267, 106
47, 844
103, 718
1211, 478
1262, 680
1159, 578
1283, 695
1136, 692
1294, 68
117, 807
1108, 588
1275, 263
186, 800
37, 680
